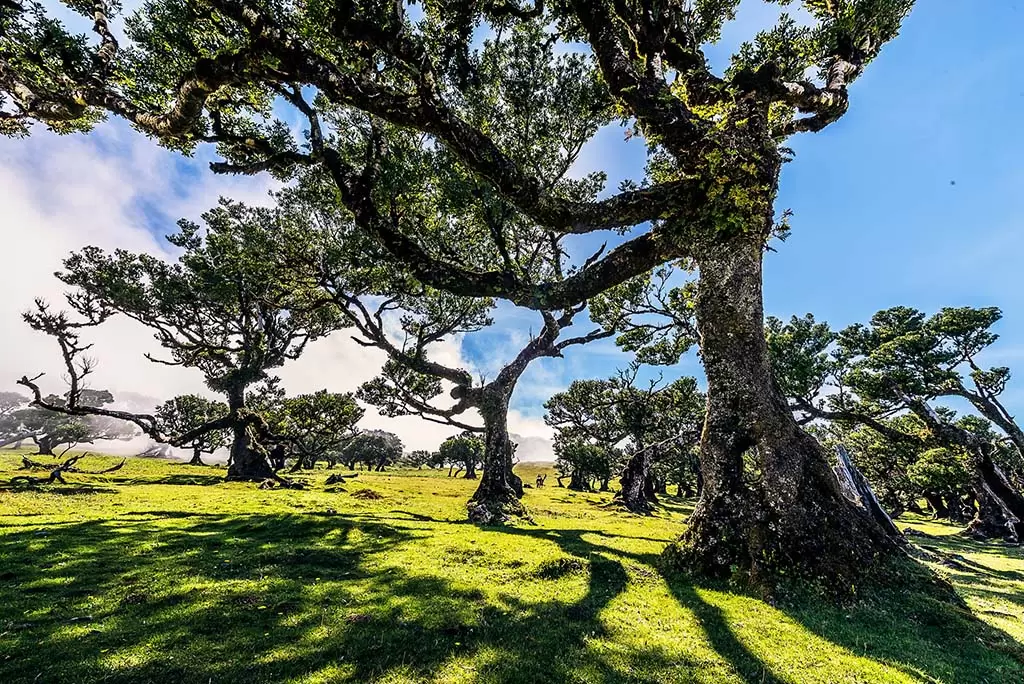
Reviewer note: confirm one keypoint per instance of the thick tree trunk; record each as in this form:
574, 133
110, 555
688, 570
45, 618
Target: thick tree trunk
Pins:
771, 506
197, 457
579, 483
939, 509
1000, 512
470, 470
634, 483
497, 497
45, 445
605, 484
248, 459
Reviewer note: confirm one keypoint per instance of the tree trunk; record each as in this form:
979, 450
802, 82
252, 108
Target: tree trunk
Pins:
938, 506
1000, 512
784, 516
197, 457
605, 483
248, 458
45, 445
634, 481
497, 497
470, 470
579, 483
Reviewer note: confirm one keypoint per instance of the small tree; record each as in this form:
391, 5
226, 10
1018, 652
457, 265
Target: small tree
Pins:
50, 430
417, 458
465, 450
656, 423
183, 414
375, 449
319, 425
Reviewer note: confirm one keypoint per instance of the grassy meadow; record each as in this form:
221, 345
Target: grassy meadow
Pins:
161, 572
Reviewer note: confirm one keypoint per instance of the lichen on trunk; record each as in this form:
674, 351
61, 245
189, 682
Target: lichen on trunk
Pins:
771, 508
497, 498
248, 458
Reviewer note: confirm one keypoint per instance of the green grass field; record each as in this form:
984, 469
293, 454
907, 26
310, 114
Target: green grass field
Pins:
163, 573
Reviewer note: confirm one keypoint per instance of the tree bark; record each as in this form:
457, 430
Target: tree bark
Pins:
579, 483
248, 458
938, 506
44, 444
634, 481
1000, 512
497, 497
771, 507
197, 457
470, 470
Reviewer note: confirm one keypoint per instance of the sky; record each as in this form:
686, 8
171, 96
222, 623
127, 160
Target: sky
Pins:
915, 197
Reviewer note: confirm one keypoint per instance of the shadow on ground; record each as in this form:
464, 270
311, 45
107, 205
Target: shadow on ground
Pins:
196, 597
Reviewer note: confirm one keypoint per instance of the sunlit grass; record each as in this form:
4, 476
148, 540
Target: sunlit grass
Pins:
164, 573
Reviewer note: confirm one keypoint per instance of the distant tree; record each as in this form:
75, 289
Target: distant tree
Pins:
50, 430
319, 425
225, 307
585, 463
11, 429
375, 449
655, 424
465, 450
417, 458
183, 414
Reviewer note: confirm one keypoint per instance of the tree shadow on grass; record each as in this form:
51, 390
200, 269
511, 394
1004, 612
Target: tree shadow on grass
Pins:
70, 489
265, 598
917, 629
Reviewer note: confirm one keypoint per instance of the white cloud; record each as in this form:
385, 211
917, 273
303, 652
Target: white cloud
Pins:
115, 189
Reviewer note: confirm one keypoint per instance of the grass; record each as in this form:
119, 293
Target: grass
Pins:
163, 573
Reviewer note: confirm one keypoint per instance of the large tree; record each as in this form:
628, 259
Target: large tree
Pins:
225, 307
212, 71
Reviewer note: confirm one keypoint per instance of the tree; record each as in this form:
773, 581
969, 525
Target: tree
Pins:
49, 430
465, 450
584, 462
226, 307
902, 360
652, 422
375, 449
183, 414
319, 425
875, 375
11, 429
417, 458
212, 72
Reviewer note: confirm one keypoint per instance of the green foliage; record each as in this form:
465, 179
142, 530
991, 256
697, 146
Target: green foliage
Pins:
655, 317
187, 412
940, 470
465, 450
225, 307
373, 448
319, 424
800, 354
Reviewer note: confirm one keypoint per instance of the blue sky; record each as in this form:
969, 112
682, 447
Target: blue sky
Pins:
913, 198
